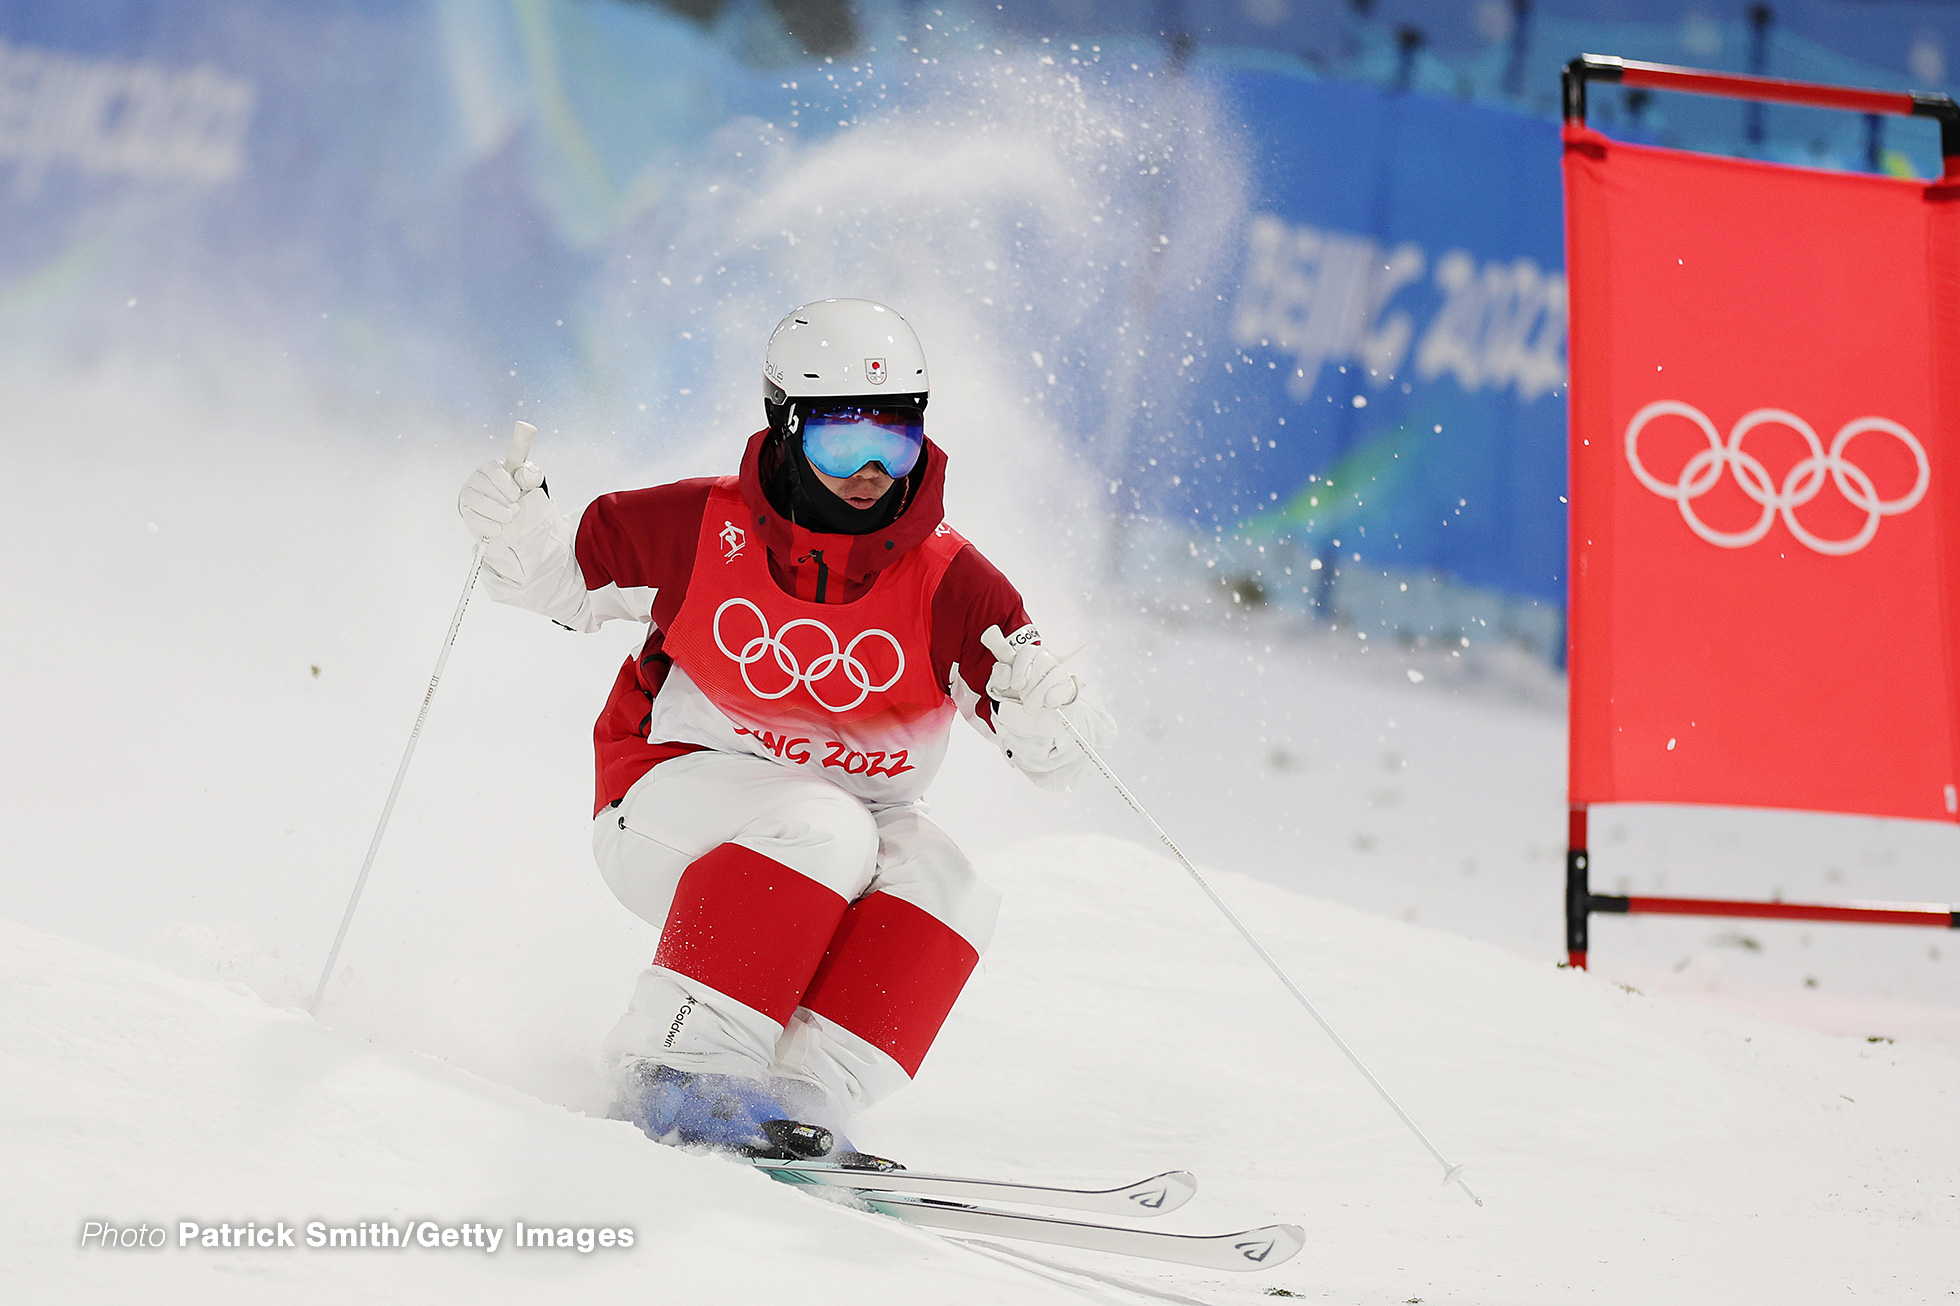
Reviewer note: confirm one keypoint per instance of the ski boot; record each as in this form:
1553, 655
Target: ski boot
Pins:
723, 1112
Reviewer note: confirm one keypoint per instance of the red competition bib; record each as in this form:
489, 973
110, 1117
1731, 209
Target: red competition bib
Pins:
843, 690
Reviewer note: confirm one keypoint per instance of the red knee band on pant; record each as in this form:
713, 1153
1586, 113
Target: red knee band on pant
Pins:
891, 976
750, 927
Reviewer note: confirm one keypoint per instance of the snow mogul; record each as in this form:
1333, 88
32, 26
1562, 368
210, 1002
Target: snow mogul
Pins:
814, 625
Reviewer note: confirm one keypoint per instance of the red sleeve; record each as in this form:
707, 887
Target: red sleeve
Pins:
633, 539
972, 596
637, 538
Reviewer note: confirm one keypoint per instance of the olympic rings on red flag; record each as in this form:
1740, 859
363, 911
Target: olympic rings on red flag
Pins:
1800, 485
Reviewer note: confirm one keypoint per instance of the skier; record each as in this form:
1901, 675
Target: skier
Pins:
815, 625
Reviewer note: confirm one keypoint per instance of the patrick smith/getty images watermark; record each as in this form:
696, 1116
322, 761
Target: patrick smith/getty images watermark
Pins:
365, 1235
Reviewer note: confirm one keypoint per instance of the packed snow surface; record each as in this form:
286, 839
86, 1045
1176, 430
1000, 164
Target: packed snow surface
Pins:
217, 640
1628, 1147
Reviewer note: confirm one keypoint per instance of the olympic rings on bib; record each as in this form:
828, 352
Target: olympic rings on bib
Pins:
1800, 485
837, 659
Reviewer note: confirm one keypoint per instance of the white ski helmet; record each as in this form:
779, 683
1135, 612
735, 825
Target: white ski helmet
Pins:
842, 349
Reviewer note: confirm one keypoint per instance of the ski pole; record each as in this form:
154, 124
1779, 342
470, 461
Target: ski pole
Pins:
1451, 1173
520, 450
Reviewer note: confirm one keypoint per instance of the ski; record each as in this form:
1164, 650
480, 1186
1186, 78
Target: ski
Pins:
1248, 1249
1152, 1196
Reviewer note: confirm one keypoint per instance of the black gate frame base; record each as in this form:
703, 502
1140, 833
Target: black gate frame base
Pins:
1581, 902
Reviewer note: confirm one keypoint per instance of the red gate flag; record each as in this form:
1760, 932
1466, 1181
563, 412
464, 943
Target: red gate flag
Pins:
1765, 464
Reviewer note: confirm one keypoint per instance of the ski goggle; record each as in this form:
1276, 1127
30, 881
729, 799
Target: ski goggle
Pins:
841, 438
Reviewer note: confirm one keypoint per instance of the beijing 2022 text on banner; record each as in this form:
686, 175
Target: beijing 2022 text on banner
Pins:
1397, 326
1766, 498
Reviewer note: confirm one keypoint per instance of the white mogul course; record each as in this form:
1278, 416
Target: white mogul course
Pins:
1630, 1148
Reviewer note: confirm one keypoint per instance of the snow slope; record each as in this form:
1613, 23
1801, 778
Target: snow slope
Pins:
1629, 1148
136, 1098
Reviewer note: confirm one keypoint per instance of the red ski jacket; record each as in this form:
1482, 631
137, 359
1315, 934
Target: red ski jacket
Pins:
844, 655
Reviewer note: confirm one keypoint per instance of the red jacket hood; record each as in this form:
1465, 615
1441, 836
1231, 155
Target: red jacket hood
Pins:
857, 559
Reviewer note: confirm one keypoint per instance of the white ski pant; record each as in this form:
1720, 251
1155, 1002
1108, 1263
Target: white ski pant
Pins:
801, 933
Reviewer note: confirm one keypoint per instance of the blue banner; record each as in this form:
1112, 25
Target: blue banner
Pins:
1302, 323
1382, 390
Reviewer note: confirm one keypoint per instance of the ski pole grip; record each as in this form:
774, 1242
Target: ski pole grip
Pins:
520, 447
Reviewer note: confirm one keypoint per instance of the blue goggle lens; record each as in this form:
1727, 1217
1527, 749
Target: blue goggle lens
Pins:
840, 440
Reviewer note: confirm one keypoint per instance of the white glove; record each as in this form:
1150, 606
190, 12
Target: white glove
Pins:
490, 496
1024, 672
1027, 685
